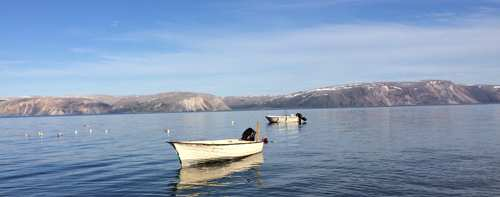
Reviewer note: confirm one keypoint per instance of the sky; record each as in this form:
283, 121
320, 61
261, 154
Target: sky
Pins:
121, 47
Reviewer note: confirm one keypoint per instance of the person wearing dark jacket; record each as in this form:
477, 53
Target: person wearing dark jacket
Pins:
248, 135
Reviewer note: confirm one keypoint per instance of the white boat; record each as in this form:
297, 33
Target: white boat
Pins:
290, 118
196, 152
278, 119
201, 175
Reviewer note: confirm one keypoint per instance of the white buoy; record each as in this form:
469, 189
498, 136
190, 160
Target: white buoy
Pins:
167, 131
76, 132
90, 131
232, 122
106, 131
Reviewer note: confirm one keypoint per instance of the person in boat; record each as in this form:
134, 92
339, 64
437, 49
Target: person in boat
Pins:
301, 117
248, 135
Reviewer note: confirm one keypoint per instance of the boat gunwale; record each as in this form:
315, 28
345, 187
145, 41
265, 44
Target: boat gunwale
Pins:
208, 144
276, 116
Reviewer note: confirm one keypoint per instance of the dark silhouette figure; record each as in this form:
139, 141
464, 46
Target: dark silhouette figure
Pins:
248, 135
302, 118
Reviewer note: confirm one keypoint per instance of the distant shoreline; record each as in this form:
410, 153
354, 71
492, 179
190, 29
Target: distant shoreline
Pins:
243, 110
376, 94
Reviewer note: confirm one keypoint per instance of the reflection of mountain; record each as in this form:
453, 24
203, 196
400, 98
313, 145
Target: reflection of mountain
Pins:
203, 175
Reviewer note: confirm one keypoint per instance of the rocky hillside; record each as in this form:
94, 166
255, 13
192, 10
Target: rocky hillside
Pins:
169, 102
431, 92
37, 106
249, 102
166, 102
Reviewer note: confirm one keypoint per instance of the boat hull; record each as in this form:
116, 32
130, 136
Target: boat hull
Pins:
282, 119
196, 152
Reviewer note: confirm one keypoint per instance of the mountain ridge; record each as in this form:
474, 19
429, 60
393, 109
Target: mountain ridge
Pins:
374, 94
105, 104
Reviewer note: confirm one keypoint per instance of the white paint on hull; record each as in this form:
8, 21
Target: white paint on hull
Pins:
195, 152
278, 119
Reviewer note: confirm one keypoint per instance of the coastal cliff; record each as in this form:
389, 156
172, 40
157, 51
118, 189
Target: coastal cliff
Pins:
169, 102
165, 102
376, 94
39, 106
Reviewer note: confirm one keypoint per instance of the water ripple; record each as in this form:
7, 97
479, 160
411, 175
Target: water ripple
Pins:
416, 151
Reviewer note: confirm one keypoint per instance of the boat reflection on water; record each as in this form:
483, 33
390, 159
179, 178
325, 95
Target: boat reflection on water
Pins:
207, 174
289, 127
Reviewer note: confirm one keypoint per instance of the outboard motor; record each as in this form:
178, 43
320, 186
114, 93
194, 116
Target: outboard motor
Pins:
248, 135
301, 117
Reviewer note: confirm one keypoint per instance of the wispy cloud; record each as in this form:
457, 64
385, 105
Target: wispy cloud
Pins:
82, 50
8, 65
115, 23
297, 4
12, 62
318, 55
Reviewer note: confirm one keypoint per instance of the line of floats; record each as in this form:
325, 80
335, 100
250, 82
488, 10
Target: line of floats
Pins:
42, 133
192, 153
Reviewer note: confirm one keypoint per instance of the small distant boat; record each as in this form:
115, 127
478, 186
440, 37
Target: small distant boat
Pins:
298, 117
197, 152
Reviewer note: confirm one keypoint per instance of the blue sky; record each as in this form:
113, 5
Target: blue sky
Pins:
241, 47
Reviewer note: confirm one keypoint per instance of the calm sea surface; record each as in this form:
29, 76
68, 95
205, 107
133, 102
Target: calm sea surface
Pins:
400, 151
